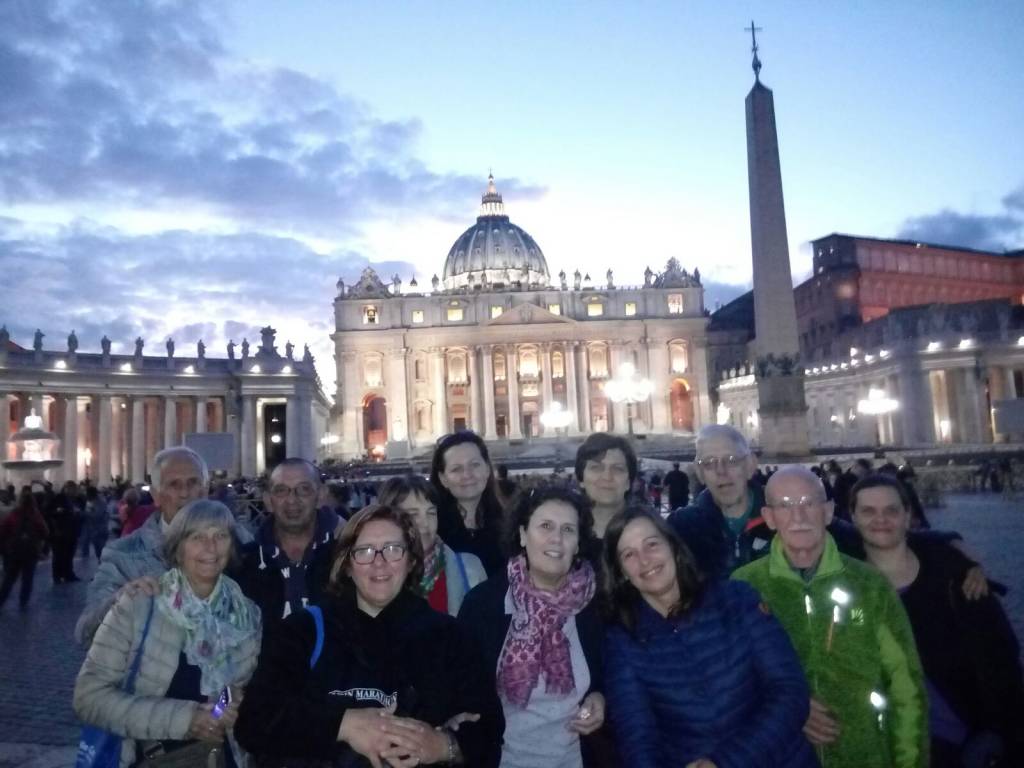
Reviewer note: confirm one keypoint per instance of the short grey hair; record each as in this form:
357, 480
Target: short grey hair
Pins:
177, 452
722, 432
194, 516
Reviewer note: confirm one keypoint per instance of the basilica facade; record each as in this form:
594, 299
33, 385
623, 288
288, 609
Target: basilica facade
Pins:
495, 345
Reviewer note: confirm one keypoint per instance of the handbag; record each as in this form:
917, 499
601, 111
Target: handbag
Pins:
195, 754
98, 747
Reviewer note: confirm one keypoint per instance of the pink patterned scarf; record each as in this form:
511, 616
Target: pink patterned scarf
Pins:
535, 642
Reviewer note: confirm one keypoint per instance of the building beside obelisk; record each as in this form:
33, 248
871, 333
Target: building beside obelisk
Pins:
782, 409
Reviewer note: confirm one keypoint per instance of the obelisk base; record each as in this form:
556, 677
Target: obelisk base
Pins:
782, 418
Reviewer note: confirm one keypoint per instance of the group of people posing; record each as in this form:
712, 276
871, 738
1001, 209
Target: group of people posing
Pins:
566, 627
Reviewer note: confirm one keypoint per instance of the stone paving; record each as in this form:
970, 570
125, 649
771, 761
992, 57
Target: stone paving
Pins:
39, 658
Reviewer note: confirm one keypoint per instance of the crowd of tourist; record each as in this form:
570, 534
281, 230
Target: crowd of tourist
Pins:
794, 617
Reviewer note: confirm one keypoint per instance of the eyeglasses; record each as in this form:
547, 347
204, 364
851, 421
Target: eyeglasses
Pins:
803, 503
302, 491
722, 462
390, 553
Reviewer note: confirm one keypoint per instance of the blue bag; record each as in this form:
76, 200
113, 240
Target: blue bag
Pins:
99, 748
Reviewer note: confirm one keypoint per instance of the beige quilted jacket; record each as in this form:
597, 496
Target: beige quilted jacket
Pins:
146, 715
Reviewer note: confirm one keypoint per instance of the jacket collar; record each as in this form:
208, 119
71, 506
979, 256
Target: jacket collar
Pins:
779, 567
151, 533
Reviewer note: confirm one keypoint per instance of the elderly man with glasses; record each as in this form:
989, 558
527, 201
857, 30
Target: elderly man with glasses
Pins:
288, 564
723, 526
868, 703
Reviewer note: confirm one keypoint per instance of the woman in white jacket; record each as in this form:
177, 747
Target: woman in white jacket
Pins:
203, 638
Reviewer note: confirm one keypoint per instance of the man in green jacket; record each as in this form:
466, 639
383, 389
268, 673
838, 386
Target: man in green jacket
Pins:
868, 703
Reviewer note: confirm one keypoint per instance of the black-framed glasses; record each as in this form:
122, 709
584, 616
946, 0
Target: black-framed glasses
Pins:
390, 553
302, 491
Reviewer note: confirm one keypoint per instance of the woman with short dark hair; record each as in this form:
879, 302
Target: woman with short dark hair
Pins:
469, 513
606, 467
379, 675
695, 675
541, 634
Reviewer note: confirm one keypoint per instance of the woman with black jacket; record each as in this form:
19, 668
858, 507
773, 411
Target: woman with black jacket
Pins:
541, 634
470, 516
376, 684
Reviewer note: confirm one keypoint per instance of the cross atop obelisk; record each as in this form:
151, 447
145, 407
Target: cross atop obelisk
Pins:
756, 63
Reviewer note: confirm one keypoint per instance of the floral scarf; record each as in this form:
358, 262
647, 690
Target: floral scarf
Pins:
535, 642
214, 627
433, 567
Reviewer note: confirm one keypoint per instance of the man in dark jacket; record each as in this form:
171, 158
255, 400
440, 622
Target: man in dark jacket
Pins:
288, 564
63, 514
678, 484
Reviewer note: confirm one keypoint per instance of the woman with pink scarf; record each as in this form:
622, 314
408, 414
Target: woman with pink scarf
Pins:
541, 634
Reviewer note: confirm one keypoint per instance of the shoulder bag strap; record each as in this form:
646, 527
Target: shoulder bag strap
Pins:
129, 683
318, 620
462, 570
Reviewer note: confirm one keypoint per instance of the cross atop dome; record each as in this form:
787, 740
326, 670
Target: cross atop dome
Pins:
491, 203
756, 63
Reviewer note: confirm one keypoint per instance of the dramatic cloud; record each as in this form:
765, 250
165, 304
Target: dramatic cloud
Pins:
999, 232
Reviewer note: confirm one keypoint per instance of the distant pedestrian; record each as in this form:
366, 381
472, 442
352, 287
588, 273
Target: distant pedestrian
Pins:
94, 523
63, 517
23, 535
678, 484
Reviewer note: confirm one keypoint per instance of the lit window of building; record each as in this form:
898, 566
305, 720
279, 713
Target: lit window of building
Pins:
499, 367
496, 311
595, 309
675, 303
630, 308
454, 314
417, 315
557, 366
555, 309
370, 316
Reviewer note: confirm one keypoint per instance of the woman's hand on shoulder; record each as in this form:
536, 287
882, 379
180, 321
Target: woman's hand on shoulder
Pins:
590, 716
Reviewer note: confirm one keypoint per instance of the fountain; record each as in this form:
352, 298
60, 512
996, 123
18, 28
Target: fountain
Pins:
31, 452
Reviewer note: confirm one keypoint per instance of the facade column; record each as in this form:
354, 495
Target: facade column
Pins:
515, 421
170, 422
657, 354
5, 432
916, 406
572, 403
972, 405
584, 371
490, 428
1007, 390
292, 427
138, 471
476, 413
248, 451
440, 392
70, 438
547, 389
1009, 384
201, 414
697, 361
620, 418
103, 447
351, 444
398, 398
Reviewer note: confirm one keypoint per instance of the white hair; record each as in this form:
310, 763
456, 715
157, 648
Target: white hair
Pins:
722, 432
178, 452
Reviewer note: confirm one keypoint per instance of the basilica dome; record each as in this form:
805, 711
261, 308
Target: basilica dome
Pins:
494, 251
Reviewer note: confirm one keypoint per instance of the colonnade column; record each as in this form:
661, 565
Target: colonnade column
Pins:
440, 392
490, 430
398, 398
515, 421
475, 410
170, 422
571, 399
620, 419
103, 459
41, 411
915, 403
1008, 387
117, 418
70, 437
584, 371
292, 428
201, 414
5, 430
547, 390
248, 451
970, 397
138, 471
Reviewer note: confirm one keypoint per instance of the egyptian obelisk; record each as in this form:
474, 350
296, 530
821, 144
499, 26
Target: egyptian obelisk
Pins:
782, 409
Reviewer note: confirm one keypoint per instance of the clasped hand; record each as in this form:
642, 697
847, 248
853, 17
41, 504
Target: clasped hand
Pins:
377, 735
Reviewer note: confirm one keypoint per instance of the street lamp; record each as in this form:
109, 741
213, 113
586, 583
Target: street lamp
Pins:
878, 403
628, 387
556, 417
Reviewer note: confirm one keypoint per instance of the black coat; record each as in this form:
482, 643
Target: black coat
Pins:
409, 653
483, 615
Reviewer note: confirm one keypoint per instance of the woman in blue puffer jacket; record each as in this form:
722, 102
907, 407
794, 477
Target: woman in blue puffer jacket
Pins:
702, 677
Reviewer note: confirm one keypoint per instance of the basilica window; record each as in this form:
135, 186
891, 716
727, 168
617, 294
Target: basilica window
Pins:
496, 311
675, 303
417, 315
372, 371
595, 309
555, 309
455, 314
528, 362
499, 367
598, 363
420, 369
457, 368
677, 358
630, 308
557, 365
370, 316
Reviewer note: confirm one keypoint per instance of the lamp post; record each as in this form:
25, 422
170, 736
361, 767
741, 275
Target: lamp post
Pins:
628, 387
877, 403
556, 418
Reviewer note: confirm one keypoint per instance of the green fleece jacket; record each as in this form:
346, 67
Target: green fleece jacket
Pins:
857, 649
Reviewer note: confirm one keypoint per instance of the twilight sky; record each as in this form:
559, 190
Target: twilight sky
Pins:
200, 168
